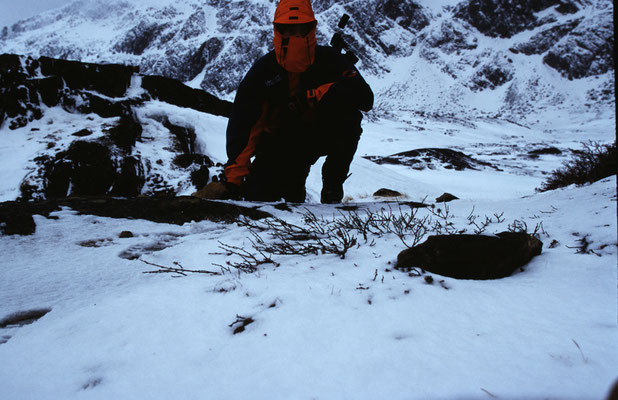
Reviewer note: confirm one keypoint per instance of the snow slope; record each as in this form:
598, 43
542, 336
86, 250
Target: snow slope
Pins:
323, 327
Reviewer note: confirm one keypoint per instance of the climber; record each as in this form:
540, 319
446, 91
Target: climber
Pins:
296, 104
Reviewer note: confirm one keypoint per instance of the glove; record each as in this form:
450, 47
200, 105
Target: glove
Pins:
219, 191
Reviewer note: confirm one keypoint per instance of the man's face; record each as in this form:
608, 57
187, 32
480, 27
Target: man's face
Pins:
295, 30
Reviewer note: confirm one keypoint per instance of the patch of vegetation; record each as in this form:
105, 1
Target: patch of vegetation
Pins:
595, 162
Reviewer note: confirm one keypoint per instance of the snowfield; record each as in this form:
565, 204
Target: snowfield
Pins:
318, 326
322, 326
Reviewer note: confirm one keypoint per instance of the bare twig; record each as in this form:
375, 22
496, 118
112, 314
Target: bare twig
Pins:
580, 351
493, 396
179, 269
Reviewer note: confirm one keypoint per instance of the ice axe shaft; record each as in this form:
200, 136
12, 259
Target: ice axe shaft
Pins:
339, 42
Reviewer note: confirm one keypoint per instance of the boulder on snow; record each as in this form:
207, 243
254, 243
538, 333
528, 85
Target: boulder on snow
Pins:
472, 256
446, 197
22, 318
387, 193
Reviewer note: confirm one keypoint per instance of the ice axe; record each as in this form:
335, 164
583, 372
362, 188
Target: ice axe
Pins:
339, 42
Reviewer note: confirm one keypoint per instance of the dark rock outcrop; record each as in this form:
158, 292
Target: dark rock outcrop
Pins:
130, 179
16, 222
451, 37
544, 40
492, 74
86, 168
172, 210
126, 132
16, 96
22, 318
107, 164
432, 158
544, 151
84, 88
384, 192
472, 256
588, 50
109, 79
174, 92
406, 13
505, 18
22, 89
446, 197
139, 38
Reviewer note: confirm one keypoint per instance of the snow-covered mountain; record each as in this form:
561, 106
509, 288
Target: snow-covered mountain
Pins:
517, 60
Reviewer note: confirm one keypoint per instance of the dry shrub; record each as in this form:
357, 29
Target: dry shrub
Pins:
595, 162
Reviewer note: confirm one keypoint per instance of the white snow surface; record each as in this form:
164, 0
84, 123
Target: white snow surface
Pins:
324, 327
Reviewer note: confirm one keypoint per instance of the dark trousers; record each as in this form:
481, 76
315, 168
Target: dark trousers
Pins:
283, 159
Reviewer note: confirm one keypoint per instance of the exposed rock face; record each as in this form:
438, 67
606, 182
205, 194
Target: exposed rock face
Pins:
89, 163
111, 80
451, 36
62, 82
472, 256
432, 159
174, 92
16, 217
139, 37
21, 86
496, 72
86, 167
406, 13
390, 26
588, 50
505, 18
544, 40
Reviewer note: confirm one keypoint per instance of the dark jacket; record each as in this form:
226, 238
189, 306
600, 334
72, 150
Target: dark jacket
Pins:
267, 83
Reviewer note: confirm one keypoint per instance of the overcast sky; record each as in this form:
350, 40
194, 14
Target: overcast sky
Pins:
13, 10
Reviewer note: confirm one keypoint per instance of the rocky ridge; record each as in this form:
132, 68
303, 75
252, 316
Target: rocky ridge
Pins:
116, 155
212, 43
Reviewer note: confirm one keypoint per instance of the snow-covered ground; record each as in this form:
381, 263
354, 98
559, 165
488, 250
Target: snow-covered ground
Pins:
324, 327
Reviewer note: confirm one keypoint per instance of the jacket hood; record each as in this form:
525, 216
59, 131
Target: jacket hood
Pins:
294, 12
